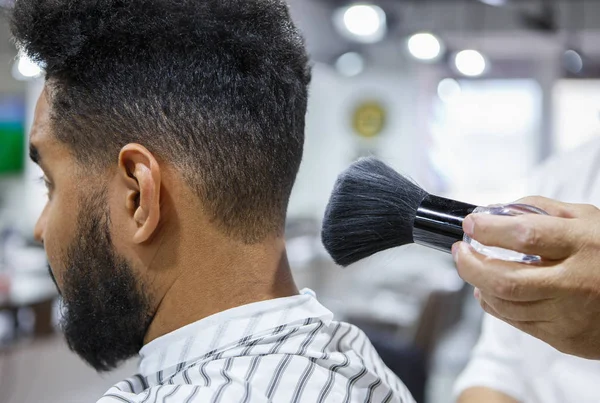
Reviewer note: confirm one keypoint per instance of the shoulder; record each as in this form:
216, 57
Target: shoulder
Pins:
573, 160
185, 393
161, 393
586, 150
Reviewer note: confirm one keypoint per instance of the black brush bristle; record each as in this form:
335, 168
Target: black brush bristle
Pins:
372, 208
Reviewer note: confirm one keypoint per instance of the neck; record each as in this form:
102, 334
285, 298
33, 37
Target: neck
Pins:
223, 276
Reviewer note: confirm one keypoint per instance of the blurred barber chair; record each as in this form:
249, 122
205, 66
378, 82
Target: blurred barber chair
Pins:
406, 301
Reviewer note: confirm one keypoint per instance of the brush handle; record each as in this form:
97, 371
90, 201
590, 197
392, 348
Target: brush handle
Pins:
499, 253
438, 223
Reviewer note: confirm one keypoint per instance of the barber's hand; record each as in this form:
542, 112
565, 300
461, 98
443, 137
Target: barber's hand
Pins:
557, 300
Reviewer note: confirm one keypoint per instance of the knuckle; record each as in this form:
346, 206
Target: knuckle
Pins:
506, 288
500, 289
527, 235
588, 208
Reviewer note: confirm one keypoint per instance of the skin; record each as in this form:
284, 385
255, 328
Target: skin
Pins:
478, 395
184, 265
558, 300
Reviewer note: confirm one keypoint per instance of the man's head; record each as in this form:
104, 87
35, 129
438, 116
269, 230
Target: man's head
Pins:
143, 97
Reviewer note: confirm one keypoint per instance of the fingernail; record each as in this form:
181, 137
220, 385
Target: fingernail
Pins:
477, 293
469, 225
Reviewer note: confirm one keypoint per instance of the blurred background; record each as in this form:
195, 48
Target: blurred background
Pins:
465, 96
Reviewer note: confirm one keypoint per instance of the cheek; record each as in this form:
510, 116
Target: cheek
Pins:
59, 235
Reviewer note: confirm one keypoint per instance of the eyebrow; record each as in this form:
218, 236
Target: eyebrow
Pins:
34, 154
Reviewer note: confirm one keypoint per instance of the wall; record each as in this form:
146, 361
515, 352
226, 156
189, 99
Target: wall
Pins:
331, 144
576, 112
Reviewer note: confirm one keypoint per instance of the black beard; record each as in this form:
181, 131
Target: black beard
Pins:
106, 312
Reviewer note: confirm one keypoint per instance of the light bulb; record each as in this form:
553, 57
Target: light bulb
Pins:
364, 23
424, 46
470, 63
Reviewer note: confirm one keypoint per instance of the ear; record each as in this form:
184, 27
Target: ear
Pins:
140, 173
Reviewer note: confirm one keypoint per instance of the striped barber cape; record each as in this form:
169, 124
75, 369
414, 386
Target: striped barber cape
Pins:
283, 350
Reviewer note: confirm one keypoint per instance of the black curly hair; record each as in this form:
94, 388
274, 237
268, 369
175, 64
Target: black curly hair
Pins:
218, 88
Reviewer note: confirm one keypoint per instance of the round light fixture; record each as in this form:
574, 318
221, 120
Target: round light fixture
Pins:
470, 63
424, 46
350, 64
496, 3
25, 68
364, 23
573, 61
449, 90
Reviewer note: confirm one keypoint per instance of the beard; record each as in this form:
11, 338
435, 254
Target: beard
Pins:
106, 312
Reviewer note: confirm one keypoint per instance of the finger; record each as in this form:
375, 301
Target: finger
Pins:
535, 329
542, 330
559, 209
553, 207
506, 280
550, 237
521, 311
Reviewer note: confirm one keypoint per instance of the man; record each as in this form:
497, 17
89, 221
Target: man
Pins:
510, 366
170, 134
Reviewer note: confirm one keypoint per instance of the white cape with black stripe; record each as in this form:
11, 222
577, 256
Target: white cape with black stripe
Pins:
284, 350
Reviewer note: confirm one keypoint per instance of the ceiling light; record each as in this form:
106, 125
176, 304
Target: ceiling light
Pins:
573, 61
350, 64
470, 63
25, 68
496, 3
449, 90
361, 22
424, 46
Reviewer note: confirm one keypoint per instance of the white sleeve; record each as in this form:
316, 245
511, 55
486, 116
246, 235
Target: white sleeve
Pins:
496, 361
